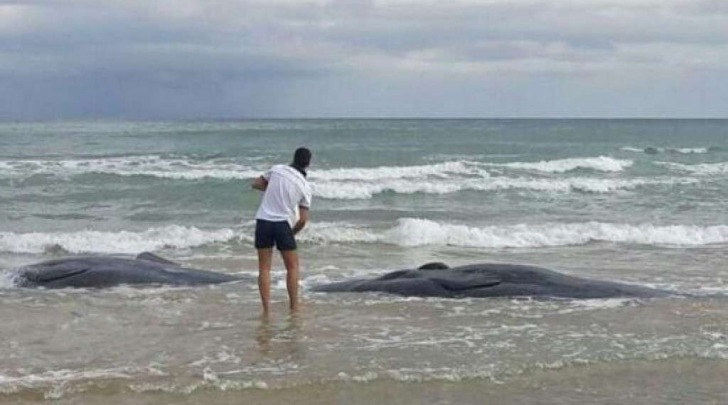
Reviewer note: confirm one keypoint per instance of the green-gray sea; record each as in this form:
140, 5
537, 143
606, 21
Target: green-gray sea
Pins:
637, 201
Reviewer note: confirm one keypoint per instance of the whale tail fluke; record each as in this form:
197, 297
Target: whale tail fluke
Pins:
151, 257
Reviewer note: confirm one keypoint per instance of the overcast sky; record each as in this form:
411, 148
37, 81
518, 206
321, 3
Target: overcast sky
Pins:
391, 58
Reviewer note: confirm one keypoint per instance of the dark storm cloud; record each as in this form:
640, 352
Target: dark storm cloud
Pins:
325, 58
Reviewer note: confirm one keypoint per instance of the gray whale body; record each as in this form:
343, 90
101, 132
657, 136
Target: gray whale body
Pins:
489, 280
104, 271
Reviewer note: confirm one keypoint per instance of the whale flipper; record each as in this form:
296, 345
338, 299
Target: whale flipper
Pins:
151, 257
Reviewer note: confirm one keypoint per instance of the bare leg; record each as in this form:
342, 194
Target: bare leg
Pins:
290, 259
265, 259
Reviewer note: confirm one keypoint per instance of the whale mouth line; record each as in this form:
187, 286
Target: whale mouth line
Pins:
457, 286
64, 275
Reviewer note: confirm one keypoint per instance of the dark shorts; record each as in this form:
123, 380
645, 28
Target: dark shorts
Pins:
278, 234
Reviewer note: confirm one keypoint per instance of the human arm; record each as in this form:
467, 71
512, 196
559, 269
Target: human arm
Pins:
303, 216
260, 183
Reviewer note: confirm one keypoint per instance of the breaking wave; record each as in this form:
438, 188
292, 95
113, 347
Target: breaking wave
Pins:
125, 242
653, 150
599, 163
422, 232
179, 168
407, 232
442, 170
364, 190
703, 169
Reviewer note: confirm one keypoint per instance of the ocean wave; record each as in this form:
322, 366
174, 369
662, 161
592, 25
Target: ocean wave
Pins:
187, 168
124, 242
408, 232
703, 169
419, 232
599, 163
349, 190
180, 168
411, 232
7, 280
57, 383
689, 151
650, 150
183, 168
443, 170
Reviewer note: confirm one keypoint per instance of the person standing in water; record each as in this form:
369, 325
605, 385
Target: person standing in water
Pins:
285, 190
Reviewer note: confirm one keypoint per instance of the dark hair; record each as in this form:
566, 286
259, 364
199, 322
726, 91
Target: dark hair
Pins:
301, 160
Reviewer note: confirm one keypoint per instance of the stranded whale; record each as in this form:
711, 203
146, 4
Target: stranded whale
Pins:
489, 280
104, 271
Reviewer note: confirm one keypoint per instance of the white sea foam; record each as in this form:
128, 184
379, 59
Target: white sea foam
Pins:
599, 163
333, 232
347, 190
54, 383
703, 169
89, 241
420, 232
423, 232
632, 149
184, 168
407, 232
150, 165
689, 151
191, 169
684, 151
7, 280
442, 170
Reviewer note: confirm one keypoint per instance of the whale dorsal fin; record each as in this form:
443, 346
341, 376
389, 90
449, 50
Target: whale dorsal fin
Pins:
434, 266
151, 257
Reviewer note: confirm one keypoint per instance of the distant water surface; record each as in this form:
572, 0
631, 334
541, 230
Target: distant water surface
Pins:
639, 201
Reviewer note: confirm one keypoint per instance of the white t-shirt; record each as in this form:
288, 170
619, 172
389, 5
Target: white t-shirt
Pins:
287, 190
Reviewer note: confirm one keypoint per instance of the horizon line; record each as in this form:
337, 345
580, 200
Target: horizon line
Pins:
343, 118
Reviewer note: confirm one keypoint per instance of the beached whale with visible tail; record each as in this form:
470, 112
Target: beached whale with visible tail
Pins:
105, 271
489, 280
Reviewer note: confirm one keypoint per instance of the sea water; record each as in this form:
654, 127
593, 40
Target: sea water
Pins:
637, 201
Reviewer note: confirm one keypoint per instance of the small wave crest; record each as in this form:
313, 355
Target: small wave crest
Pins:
7, 280
410, 232
703, 169
125, 242
443, 170
348, 190
416, 232
599, 163
650, 150
180, 168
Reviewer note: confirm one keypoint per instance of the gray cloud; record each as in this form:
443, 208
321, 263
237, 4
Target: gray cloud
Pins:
223, 58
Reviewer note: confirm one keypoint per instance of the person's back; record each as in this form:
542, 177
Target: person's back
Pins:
285, 190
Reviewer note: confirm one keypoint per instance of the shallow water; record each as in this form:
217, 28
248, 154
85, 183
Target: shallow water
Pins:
581, 197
